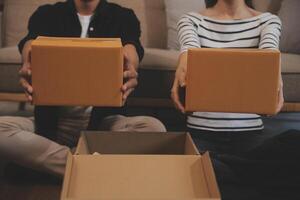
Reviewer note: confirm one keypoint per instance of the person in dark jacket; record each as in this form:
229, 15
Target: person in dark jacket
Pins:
73, 18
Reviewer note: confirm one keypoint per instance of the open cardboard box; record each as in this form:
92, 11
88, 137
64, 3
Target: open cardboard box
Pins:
77, 71
233, 80
136, 166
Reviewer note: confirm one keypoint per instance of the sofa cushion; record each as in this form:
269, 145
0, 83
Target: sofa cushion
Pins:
16, 16
10, 60
290, 63
272, 6
152, 18
174, 10
291, 83
150, 13
10, 55
9, 78
289, 15
291, 76
139, 8
159, 59
156, 24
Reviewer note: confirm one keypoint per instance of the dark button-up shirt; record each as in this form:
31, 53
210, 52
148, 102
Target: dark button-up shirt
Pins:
61, 20
108, 21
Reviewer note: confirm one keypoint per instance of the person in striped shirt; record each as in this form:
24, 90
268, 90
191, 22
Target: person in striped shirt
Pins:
225, 24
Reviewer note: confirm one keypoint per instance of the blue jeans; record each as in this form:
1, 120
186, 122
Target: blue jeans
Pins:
234, 143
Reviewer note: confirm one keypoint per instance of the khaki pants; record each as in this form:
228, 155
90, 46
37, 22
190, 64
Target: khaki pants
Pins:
20, 144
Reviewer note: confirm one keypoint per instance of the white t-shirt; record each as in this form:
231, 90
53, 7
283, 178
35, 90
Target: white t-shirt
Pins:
85, 23
80, 112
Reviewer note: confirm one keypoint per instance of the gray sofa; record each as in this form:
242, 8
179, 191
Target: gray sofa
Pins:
156, 70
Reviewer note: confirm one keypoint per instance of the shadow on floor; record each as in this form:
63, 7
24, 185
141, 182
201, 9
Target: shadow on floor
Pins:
18, 183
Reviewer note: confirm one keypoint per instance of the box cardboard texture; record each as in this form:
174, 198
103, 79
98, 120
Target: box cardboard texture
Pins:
77, 72
136, 166
233, 80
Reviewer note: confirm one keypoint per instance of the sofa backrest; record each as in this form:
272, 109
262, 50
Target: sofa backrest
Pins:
15, 18
272, 6
150, 12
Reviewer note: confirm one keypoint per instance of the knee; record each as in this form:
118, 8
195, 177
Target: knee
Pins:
53, 160
150, 124
12, 124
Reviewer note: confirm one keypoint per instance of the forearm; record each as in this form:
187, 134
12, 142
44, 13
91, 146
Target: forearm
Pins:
25, 52
132, 56
182, 62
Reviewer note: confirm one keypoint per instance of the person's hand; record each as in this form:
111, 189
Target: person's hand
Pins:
25, 79
179, 82
280, 99
130, 76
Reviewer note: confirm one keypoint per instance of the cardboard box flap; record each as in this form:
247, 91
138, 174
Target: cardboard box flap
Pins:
210, 176
137, 177
82, 147
138, 143
190, 147
67, 176
78, 42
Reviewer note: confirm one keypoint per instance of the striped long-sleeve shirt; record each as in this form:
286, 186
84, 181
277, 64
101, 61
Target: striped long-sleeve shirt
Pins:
197, 31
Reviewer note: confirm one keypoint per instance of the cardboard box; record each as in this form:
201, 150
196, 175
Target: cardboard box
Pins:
77, 72
131, 166
233, 80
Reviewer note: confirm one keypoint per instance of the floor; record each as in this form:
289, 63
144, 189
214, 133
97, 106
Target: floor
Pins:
18, 183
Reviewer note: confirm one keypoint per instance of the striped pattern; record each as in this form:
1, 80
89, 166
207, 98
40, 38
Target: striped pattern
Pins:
197, 31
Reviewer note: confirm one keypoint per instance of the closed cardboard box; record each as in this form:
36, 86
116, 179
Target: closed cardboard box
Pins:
233, 80
77, 72
138, 166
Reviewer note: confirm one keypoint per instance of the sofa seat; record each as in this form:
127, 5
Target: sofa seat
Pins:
291, 77
10, 63
160, 59
10, 55
157, 72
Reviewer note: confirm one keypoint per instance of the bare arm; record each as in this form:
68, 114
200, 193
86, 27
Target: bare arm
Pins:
26, 52
131, 63
131, 55
270, 39
25, 71
188, 38
180, 81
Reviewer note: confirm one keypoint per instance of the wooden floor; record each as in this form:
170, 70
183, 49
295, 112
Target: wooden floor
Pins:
18, 183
